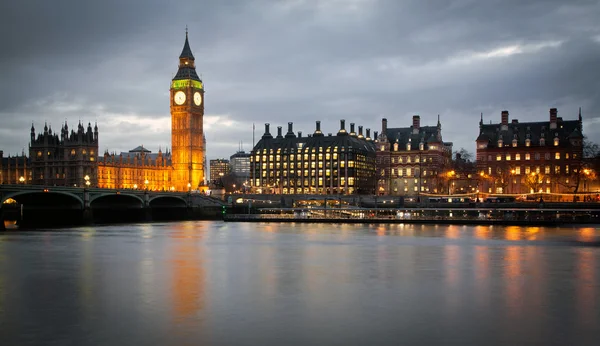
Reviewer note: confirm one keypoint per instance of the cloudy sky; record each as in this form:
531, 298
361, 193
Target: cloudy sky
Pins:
276, 61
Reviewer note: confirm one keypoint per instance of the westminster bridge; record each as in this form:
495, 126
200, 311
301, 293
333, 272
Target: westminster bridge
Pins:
37, 205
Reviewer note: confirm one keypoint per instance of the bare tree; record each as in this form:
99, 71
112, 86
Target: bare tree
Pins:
582, 170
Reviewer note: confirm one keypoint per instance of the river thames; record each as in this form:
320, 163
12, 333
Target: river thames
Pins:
215, 283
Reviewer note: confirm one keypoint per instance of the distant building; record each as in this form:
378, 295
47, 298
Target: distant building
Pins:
316, 164
240, 164
218, 168
412, 160
543, 156
13, 168
65, 159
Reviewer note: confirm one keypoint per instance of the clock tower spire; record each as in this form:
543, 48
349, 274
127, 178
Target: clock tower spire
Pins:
187, 123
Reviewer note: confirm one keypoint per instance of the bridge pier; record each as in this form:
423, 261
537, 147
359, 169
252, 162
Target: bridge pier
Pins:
88, 216
2, 227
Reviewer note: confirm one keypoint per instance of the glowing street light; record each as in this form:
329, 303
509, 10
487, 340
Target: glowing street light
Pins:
135, 186
146, 182
22, 180
87, 180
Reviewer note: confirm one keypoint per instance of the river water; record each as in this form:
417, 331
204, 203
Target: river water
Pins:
215, 283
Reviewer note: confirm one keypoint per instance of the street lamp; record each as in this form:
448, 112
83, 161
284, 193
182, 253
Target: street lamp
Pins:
22, 180
189, 186
135, 186
512, 181
87, 180
146, 182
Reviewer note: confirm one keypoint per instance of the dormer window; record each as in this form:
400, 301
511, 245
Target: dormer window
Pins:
383, 148
421, 146
514, 143
396, 146
542, 141
499, 143
556, 142
408, 146
528, 142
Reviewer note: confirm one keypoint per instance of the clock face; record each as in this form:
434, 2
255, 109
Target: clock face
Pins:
179, 97
197, 98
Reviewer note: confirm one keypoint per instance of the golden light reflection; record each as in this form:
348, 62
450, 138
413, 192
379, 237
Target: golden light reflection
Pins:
512, 280
482, 232
512, 233
187, 273
452, 270
587, 234
453, 232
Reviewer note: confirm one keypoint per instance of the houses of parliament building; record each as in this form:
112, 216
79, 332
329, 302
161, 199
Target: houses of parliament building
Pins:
72, 158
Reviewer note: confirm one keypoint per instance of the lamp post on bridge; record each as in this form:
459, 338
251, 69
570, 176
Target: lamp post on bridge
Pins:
22, 180
87, 181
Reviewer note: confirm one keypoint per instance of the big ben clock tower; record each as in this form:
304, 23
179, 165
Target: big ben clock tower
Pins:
187, 130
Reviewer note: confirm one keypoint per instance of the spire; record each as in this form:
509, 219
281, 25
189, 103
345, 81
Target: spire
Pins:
579, 113
439, 124
186, 53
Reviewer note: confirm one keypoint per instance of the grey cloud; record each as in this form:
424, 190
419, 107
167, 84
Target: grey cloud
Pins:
301, 61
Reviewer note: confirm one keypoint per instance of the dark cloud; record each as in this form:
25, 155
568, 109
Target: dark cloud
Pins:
295, 60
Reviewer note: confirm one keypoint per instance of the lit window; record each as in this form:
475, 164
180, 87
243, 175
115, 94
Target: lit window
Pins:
547, 170
408, 172
507, 157
514, 143
395, 146
382, 148
517, 157
517, 170
556, 142
498, 157
557, 156
556, 170
528, 142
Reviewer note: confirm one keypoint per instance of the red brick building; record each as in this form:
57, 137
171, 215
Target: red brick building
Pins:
519, 158
411, 160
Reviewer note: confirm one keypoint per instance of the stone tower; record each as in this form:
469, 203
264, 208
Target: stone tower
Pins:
187, 129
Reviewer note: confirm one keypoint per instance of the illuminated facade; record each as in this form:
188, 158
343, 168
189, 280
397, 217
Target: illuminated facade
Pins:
12, 168
518, 158
183, 168
239, 164
411, 160
218, 168
317, 164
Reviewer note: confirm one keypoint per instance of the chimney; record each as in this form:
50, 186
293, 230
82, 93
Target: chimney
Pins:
318, 127
416, 124
352, 133
504, 118
360, 134
299, 134
375, 133
383, 126
342, 126
368, 134
267, 133
279, 132
553, 118
290, 131
515, 121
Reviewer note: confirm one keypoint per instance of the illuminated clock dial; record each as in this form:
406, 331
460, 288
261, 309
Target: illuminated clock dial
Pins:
197, 98
179, 97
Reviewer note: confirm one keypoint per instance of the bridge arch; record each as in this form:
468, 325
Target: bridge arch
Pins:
114, 199
168, 201
44, 198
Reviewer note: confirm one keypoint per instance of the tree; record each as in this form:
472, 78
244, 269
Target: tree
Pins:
581, 171
534, 181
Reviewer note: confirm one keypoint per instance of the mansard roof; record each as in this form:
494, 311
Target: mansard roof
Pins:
534, 131
318, 140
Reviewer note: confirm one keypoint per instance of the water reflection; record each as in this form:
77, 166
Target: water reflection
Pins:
300, 284
187, 281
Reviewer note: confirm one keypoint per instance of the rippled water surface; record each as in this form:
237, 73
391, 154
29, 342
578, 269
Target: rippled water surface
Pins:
214, 283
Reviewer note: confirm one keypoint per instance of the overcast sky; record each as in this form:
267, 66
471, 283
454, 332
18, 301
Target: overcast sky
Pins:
276, 61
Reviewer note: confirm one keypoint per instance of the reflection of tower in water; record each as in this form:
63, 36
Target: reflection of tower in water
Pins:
187, 272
